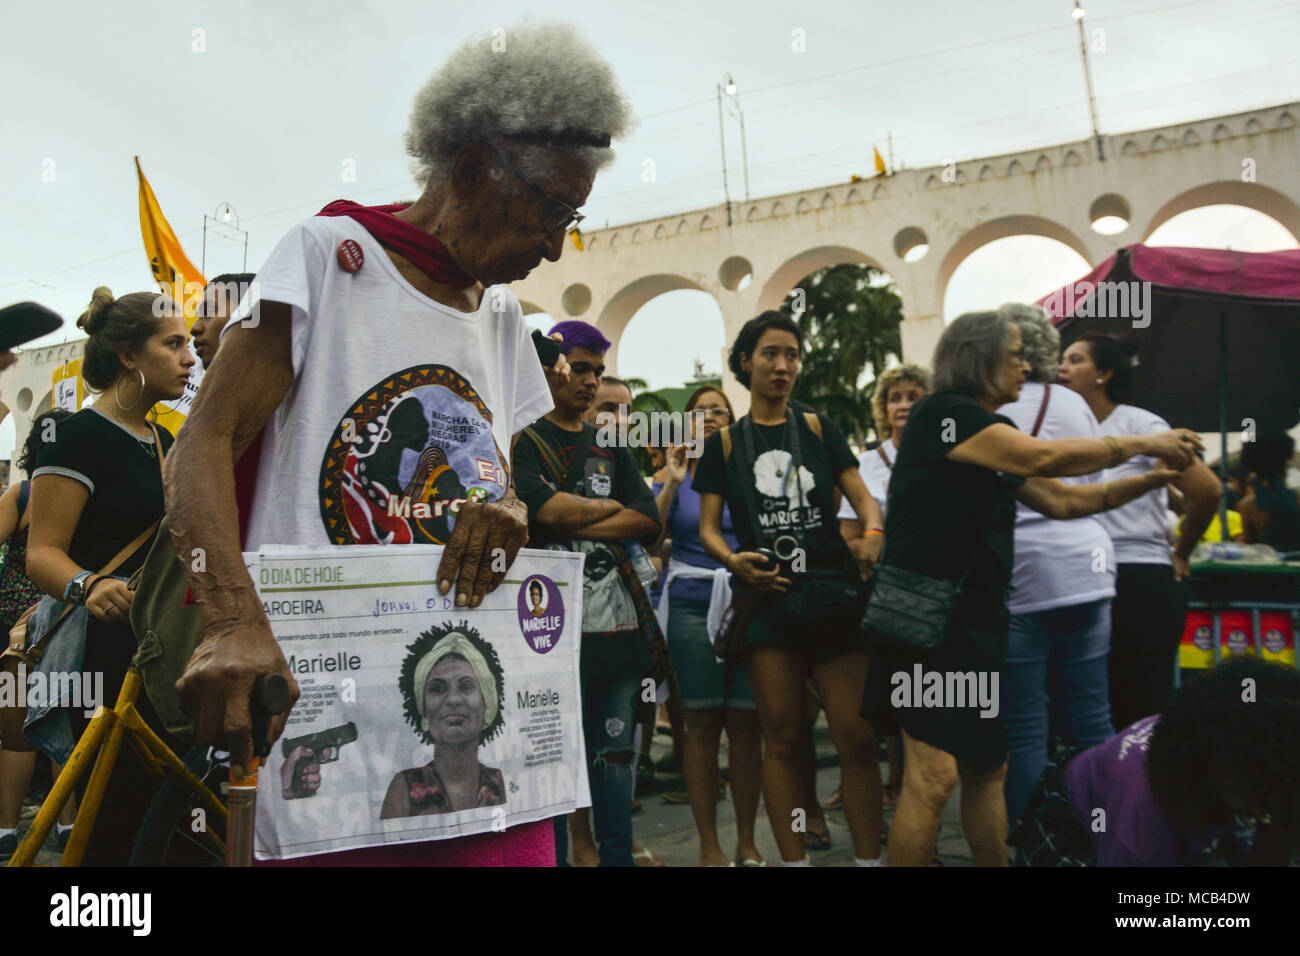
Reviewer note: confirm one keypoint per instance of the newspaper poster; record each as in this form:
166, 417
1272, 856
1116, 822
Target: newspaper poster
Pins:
418, 720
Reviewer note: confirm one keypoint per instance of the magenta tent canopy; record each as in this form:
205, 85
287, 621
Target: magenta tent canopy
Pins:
1218, 332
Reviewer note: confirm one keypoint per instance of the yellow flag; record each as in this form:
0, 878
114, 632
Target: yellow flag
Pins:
178, 276
880, 163
172, 269
69, 386
576, 236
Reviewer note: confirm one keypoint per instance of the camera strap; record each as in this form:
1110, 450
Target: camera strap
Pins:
748, 460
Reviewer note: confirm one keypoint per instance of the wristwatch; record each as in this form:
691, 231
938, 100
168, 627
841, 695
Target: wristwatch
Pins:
76, 589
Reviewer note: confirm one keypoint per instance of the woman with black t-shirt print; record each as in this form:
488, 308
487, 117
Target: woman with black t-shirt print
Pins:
779, 483
95, 489
961, 467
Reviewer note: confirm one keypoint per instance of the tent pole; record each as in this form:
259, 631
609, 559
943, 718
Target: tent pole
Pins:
1223, 422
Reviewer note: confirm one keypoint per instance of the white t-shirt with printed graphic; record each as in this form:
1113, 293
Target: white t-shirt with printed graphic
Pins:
401, 408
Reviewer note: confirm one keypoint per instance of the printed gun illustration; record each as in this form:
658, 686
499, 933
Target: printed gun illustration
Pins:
324, 747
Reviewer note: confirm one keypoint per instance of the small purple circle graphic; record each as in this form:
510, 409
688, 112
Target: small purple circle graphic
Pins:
1237, 642
541, 613
1274, 640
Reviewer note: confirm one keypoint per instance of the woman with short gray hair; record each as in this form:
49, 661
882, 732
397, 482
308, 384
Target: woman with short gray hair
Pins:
959, 470
387, 323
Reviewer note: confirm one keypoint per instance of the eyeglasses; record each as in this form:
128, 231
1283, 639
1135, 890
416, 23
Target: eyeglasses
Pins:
721, 413
560, 216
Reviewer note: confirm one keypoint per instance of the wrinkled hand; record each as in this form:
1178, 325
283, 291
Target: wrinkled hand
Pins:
110, 602
558, 374
217, 687
1176, 448
749, 565
487, 538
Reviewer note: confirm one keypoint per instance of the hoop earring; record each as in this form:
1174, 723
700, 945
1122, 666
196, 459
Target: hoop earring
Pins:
117, 393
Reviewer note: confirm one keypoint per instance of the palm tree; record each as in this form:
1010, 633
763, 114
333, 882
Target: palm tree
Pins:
850, 323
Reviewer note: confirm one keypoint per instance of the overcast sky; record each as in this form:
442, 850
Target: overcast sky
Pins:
266, 105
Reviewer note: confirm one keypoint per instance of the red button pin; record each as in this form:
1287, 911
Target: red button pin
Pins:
350, 255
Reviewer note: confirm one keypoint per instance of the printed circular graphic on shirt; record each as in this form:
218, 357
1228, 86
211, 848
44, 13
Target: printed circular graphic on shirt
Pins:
405, 457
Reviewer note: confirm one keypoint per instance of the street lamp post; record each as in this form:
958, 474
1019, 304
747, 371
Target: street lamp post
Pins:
728, 87
1087, 79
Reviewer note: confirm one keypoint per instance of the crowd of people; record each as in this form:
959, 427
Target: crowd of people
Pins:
989, 591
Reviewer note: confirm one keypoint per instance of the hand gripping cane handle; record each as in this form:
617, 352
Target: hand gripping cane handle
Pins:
270, 696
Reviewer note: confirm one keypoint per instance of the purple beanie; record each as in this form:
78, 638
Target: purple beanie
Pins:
582, 334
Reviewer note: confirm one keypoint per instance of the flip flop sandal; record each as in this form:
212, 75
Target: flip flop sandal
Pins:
834, 802
817, 841
646, 858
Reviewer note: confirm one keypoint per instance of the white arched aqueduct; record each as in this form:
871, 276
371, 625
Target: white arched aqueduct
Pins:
1147, 178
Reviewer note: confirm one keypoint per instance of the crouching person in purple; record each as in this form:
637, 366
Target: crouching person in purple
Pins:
1213, 781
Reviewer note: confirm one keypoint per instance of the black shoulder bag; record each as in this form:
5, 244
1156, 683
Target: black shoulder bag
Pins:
913, 608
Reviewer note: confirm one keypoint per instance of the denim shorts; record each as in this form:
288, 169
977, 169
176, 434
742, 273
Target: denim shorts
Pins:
702, 680
609, 714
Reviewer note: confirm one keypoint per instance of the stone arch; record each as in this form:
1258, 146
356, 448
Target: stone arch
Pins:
43, 406
1254, 126
613, 240
1255, 196
787, 275
623, 304
753, 214
931, 181
1072, 158
1285, 121
986, 172
852, 197
660, 231
706, 224
827, 201
1001, 228
590, 244
531, 307
802, 206
682, 226
778, 209
1191, 138
1130, 148
1159, 142
1042, 163
1015, 168
880, 192
636, 235
1220, 132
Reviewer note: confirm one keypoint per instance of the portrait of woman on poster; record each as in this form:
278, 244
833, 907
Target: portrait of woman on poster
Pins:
537, 597
452, 687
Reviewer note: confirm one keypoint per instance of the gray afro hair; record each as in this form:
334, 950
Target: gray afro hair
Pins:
536, 79
1040, 341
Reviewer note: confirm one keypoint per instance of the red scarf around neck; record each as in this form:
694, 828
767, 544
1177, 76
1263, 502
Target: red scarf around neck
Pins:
416, 246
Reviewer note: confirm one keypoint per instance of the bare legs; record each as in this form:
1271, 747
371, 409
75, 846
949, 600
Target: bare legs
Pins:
16, 770
700, 764
929, 776
776, 678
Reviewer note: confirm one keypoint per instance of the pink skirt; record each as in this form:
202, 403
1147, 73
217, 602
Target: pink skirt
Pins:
531, 844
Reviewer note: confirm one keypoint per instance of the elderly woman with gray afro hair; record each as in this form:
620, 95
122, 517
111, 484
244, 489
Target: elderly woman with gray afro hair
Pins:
368, 331
961, 466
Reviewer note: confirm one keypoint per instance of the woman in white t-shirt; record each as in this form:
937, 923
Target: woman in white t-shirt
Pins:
1150, 586
1062, 583
897, 390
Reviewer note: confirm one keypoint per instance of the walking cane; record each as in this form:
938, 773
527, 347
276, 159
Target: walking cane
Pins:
270, 697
